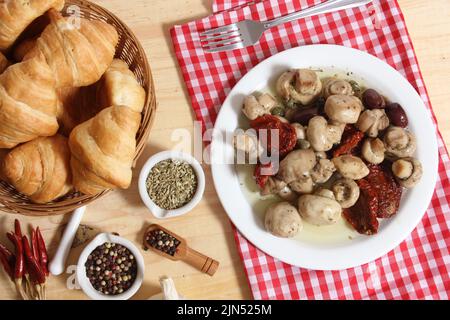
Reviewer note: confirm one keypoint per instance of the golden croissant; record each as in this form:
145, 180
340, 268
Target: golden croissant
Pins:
103, 150
77, 50
40, 168
119, 87
16, 15
28, 102
75, 105
4, 63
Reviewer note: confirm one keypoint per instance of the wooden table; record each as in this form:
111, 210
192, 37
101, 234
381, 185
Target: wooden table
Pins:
207, 227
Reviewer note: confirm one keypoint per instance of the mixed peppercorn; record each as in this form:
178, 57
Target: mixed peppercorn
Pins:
163, 241
111, 268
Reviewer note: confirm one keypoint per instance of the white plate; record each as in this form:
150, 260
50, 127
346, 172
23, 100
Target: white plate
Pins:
362, 249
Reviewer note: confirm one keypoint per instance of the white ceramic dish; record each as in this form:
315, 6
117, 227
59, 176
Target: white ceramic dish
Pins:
157, 211
83, 280
351, 252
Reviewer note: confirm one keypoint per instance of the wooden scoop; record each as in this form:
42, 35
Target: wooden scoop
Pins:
183, 252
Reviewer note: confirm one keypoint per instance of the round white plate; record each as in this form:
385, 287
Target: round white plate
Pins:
361, 249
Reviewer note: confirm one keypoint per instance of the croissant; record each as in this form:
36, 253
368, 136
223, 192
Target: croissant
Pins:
40, 168
77, 54
119, 87
75, 105
16, 15
4, 63
28, 102
103, 150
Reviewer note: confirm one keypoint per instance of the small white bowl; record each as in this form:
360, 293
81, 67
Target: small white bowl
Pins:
83, 280
157, 211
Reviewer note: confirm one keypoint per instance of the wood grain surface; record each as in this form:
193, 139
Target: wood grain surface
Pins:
207, 228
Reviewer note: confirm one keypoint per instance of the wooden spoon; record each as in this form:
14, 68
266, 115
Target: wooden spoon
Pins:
183, 252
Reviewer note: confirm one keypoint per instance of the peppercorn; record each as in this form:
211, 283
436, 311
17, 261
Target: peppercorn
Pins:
109, 272
162, 241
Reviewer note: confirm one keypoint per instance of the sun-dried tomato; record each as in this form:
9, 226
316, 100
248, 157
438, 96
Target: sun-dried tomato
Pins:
389, 192
350, 142
287, 136
261, 179
363, 215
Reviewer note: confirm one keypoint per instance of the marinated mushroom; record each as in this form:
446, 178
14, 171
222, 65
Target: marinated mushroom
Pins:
255, 107
247, 144
299, 86
373, 150
302, 185
351, 167
334, 86
297, 165
322, 171
399, 142
321, 135
283, 220
407, 171
346, 192
318, 209
273, 186
372, 122
343, 108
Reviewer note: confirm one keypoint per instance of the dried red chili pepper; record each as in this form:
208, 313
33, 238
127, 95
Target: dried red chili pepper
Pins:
17, 228
363, 215
35, 270
19, 263
351, 140
43, 256
34, 244
389, 192
7, 259
287, 138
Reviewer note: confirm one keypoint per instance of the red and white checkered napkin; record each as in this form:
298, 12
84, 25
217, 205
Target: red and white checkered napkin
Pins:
419, 267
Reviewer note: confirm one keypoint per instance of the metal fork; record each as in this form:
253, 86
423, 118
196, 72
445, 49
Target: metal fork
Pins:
248, 32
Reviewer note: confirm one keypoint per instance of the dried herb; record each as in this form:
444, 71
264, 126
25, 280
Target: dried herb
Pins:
171, 184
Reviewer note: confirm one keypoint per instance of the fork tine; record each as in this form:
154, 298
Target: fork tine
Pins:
222, 35
224, 41
228, 28
233, 46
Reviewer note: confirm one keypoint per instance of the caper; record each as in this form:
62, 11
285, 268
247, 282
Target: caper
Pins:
278, 111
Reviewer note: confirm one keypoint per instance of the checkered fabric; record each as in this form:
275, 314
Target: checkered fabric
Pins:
419, 267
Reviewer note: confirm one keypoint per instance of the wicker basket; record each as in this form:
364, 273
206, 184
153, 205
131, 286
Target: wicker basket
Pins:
129, 50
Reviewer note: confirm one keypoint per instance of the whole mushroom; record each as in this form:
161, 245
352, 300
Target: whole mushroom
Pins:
372, 122
399, 142
297, 165
255, 107
299, 86
373, 150
343, 108
319, 209
273, 186
302, 185
351, 167
335, 86
346, 192
322, 135
407, 171
283, 220
323, 170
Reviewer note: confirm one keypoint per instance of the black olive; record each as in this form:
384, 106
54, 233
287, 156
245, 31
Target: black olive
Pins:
397, 115
373, 100
302, 115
